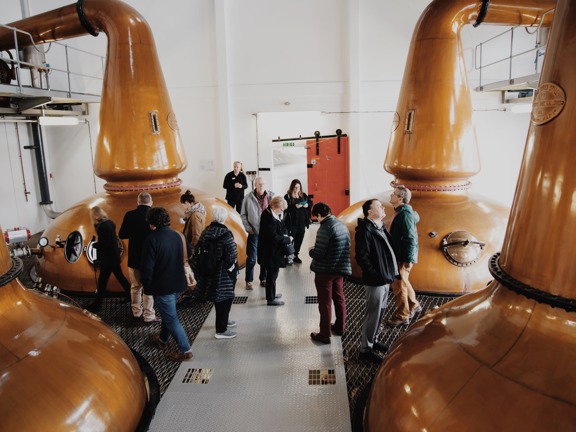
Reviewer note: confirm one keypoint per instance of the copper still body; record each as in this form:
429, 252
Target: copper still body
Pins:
433, 150
62, 368
503, 358
138, 147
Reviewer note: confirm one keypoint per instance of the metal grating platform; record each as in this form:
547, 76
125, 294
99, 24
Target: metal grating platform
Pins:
295, 377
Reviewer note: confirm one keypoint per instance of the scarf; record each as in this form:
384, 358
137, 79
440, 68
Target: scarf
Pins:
196, 207
263, 201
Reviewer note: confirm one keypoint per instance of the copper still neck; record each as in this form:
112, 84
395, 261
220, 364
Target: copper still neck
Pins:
433, 144
139, 145
538, 248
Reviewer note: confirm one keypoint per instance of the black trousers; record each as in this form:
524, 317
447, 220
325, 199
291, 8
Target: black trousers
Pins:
106, 269
222, 313
298, 234
236, 204
271, 276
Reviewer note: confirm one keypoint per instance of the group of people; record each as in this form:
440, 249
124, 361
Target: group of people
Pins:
276, 227
385, 258
156, 257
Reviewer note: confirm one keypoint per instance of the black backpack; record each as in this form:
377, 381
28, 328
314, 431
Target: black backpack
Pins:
205, 262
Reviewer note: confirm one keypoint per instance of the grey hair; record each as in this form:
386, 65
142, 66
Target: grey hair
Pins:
219, 214
144, 198
403, 192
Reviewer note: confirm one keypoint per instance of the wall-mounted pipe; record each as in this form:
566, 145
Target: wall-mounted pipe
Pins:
38, 148
26, 191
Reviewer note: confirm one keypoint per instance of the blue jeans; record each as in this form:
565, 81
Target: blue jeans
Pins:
251, 256
166, 305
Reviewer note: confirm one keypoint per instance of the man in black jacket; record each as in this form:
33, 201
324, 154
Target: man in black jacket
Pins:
162, 275
136, 229
375, 256
235, 184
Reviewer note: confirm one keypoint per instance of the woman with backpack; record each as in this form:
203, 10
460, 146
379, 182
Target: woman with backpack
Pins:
216, 269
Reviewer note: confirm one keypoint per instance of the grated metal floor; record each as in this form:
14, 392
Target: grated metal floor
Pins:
272, 376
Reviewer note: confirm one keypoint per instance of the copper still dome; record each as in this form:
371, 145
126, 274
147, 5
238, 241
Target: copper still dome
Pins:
503, 358
433, 149
61, 367
139, 146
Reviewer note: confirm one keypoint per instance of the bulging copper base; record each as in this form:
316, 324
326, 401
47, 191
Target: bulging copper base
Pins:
79, 277
490, 360
62, 368
440, 214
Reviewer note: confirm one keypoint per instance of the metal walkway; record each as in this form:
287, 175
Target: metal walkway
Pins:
272, 376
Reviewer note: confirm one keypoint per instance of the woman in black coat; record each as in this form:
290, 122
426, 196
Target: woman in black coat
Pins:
108, 255
297, 215
218, 284
271, 238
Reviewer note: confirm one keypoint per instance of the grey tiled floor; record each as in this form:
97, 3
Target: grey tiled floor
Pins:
260, 380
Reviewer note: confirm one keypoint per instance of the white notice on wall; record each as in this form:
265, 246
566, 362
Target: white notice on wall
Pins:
207, 165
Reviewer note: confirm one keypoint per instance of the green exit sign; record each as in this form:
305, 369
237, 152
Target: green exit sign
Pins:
288, 144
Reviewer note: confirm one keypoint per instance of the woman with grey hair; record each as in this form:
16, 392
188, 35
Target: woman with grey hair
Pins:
219, 214
217, 275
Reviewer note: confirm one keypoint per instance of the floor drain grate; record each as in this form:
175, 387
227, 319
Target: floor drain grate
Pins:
311, 300
321, 377
197, 376
240, 300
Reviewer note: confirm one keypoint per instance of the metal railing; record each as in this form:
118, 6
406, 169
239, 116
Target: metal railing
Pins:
67, 71
517, 57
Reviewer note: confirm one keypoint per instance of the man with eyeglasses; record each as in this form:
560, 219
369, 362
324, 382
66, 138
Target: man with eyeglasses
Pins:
404, 235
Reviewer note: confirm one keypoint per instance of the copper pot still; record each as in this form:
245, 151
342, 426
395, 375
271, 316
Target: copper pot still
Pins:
433, 150
138, 147
56, 363
503, 358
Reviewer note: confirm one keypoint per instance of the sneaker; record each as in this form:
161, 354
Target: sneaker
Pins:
395, 322
158, 342
416, 310
380, 347
226, 335
278, 295
297, 260
231, 323
249, 286
263, 283
156, 319
179, 356
275, 303
370, 356
336, 331
319, 338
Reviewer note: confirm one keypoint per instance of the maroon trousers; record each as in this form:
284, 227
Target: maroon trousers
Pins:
330, 287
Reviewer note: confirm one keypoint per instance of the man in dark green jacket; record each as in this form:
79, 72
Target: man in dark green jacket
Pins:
404, 237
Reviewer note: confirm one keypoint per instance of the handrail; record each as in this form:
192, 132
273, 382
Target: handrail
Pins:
46, 69
478, 51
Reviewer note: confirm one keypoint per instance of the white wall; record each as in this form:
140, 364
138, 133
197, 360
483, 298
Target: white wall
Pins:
226, 60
